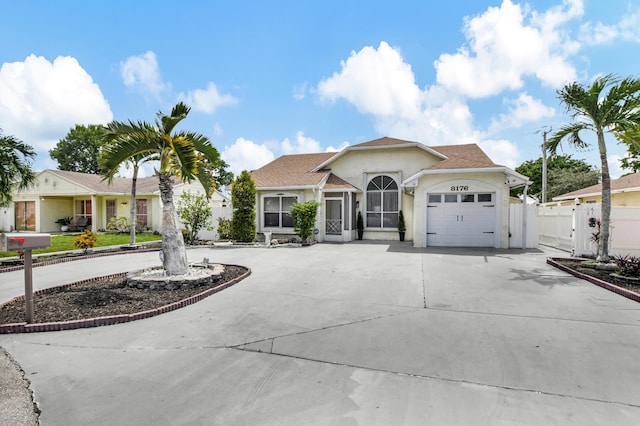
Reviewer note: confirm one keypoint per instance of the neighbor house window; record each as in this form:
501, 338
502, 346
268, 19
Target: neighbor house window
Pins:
111, 209
141, 214
276, 211
83, 209
382, 202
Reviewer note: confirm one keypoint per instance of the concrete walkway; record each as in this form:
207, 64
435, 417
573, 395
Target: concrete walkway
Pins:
347, 334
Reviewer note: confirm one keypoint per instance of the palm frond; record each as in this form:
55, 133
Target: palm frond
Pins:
168, 122
570, 132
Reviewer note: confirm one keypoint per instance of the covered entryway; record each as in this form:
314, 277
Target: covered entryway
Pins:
333, 219
461, 219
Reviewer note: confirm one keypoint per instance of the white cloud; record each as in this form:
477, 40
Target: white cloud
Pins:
300, 91
522, 110
615, 168
501, 152
217, 129
628, 29
40, 101
340, 147
376, 81
503, 48
207, 100
142, 72
302, 145
246, 155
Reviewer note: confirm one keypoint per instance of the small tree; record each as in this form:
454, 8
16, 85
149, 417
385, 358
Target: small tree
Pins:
304, 218
195, 212
243, 199
80, 149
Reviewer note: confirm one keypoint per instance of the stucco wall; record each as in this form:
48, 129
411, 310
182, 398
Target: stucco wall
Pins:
353, 165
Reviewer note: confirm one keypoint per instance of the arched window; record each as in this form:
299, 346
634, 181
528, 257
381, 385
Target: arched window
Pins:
382, 202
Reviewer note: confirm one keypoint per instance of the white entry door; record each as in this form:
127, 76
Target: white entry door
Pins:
461, 220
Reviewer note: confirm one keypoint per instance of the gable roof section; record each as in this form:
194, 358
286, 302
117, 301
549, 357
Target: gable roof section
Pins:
629, 183
468, 156
292, 171
381, 143
95, 184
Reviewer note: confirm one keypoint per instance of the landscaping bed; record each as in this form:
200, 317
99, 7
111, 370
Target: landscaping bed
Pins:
105, 297
601, 277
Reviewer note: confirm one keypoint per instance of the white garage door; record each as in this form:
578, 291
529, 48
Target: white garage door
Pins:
461, 220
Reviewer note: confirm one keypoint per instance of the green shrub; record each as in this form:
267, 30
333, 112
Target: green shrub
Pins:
86, 240
118, 224
243, 199
224, 228
304, 218
629, 266
402, 227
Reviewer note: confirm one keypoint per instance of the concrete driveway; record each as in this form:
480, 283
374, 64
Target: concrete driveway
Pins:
353, 334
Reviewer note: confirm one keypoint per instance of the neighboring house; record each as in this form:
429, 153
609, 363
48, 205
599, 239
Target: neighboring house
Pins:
450, 195
625, 192
58, 194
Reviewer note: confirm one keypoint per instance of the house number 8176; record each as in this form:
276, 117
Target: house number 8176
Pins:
460, 188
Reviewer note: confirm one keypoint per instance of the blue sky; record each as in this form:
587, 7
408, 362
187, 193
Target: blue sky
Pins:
271, 78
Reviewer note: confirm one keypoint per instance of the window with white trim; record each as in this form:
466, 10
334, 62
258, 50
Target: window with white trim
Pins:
383, 203
276, 211
83, 210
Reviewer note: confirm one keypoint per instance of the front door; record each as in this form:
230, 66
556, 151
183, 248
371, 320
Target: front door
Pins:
333, 219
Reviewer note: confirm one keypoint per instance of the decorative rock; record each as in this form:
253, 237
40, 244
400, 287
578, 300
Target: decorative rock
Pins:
155, 278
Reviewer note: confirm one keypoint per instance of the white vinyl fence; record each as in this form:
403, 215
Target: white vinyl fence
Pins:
6, 224
212, 235
572, 228
516, 226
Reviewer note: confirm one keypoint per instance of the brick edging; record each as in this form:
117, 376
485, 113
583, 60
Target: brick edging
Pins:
37, 264
593, 280
112, 319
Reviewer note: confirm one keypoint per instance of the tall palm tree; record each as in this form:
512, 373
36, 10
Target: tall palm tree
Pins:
609, 105
135, 163
185, 155
15, 167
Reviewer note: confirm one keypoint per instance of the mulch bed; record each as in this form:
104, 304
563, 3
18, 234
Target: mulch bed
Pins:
600, 277
103, 297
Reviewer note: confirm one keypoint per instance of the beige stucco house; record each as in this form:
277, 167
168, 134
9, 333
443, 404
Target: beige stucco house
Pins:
58, 194
449, 195
625, 192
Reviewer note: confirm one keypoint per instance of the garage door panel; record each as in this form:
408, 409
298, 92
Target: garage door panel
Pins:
462, 224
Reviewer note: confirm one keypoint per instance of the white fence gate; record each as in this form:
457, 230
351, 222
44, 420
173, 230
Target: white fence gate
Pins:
212, 235
6, 224
572, 228
516, 228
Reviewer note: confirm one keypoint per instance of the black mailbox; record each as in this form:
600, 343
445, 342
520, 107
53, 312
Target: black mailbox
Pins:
13, 242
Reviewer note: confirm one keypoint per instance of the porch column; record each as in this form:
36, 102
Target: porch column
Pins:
94, 218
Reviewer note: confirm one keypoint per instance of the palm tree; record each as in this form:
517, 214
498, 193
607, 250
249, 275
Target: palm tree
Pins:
15, 167
609, 105
185, 155
135, 163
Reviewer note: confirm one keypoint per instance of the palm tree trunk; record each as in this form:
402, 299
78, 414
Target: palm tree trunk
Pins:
603, 247
133, 207
175, 253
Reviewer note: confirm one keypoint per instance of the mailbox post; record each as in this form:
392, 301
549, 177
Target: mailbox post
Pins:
26, 243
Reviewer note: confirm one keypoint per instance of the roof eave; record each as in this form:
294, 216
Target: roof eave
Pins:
517, 178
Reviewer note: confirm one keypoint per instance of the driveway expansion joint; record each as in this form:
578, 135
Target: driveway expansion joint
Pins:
449, 380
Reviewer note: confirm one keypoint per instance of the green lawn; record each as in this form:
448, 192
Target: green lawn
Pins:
64, 242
